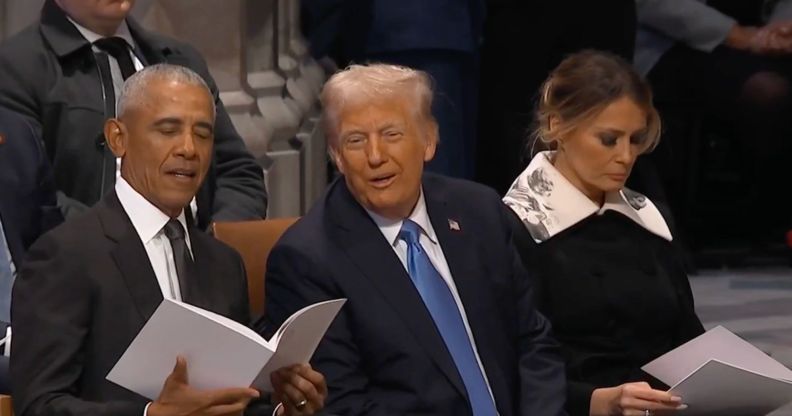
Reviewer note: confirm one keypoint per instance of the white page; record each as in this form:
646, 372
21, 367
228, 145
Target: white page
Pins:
718, 343
717, 388
217, 354
298, 337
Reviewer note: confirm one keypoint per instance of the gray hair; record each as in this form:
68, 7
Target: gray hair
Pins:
133, 92
369, 82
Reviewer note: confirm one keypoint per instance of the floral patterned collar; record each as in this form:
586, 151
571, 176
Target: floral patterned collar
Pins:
547, 203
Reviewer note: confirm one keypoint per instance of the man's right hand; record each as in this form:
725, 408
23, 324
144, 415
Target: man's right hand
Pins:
177, 398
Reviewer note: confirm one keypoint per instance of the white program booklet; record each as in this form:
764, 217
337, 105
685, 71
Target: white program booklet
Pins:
719, 373
220, 352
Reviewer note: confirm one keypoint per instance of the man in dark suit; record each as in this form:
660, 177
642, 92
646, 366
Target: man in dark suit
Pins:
440, 37
89, 286
27, 208
440, 318
64, 73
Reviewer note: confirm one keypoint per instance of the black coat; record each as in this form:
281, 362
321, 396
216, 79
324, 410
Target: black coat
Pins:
83, 295
49, 74
617, 298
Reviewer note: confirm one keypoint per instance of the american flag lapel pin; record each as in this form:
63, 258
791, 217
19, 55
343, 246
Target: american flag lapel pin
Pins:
453, 225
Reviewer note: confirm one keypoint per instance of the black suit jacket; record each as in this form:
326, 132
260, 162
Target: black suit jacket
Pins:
383, 354
48, 73
81, 298
27, 199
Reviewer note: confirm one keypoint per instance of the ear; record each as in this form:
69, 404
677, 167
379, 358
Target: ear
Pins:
432, 138
116, 136
554, 122
336, 159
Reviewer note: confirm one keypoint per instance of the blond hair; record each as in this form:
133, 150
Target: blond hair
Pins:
364, 83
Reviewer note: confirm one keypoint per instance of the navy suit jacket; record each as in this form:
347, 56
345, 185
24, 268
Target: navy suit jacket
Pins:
352, 29
383, 354
27, 195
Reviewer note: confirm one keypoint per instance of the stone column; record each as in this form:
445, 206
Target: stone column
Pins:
281, 113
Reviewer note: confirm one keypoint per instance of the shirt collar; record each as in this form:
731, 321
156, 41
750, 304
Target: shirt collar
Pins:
91, 36
547, 203
391, 228
147, 219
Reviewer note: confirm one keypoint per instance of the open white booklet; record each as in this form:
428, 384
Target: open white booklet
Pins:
719, 373
220, 352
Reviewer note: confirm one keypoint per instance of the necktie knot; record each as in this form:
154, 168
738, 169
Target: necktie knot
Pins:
119, 49
174, 230
114, 45
410, 232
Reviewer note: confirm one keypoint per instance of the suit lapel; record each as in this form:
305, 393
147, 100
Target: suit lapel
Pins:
456, 236
366, 247
130, 256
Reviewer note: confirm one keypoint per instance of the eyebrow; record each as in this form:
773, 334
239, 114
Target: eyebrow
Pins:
621, 132
168, 121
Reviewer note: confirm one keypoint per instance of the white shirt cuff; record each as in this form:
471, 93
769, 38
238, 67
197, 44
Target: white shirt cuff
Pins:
274, 412
145, 411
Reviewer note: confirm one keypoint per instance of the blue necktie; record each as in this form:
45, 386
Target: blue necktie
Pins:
6, 279
440, 301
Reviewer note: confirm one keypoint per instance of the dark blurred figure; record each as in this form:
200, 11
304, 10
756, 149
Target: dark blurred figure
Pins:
523, 42
27, 207
724, 65
440, 37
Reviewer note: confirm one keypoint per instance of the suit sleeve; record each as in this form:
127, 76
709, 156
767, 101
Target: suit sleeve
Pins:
541, 368
49, 213
51, 315
240, 192
689, 21
292, 283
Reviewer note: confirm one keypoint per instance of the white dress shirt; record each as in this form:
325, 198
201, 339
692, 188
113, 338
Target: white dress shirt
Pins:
149, 222
390, 230
115, 73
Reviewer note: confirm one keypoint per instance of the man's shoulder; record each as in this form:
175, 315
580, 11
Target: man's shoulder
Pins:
458, 190
24, 46
79, 235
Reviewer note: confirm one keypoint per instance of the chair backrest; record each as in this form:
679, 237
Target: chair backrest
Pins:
6, 408
253, 240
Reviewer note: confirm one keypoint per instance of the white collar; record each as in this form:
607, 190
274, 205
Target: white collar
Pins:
147, 219
391, 228
91, 36
547, 203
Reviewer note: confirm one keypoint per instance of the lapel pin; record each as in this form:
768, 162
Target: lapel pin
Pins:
2, 139
453, 225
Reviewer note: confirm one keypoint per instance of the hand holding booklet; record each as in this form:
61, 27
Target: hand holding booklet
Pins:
719, 373
220, 352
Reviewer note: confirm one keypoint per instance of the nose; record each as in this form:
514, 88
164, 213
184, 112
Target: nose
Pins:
376, 151
626, 152
186, 146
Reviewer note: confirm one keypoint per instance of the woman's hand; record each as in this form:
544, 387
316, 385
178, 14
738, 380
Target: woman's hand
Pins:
633, 399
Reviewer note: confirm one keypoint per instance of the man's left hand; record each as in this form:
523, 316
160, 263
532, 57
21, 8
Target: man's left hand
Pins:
301, 390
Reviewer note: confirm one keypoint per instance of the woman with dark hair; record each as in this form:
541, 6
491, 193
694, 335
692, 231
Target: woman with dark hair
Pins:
607, 275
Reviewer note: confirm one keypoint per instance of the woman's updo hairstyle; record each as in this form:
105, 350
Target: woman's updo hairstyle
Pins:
583, 85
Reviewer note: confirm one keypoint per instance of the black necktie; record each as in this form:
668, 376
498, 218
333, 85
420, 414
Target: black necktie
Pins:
181, 256
118, 49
